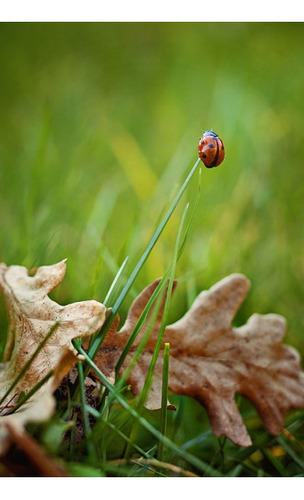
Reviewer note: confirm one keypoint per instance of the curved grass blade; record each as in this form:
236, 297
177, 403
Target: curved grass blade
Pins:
96, 345
160, 286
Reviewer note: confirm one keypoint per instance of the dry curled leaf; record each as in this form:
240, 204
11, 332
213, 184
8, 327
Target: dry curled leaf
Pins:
210, 360
32, 314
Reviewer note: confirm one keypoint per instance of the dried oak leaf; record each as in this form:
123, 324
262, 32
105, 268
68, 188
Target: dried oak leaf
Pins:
32, 314
210, 360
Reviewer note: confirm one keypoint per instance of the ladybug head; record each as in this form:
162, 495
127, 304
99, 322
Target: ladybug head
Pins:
209, 132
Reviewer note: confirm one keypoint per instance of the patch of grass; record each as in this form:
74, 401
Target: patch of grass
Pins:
96, 137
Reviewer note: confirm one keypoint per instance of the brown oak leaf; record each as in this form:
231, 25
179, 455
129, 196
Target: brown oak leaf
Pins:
32, 316
210, 360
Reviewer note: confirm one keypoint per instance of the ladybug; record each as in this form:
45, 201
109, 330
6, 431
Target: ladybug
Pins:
211, 149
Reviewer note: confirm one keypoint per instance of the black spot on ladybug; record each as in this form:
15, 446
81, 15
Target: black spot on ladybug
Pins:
211, 146
204, 156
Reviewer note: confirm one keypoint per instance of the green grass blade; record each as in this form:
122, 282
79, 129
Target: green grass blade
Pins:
29, 362
110, 291
126, 438
148, 381
158, 289
99, 337
141, 344
235, 472
141, 321
201, 438
120, 382
191, 218
164, 402
146, 387
27, 396
86, 423
290, 451
96, 345
275, 462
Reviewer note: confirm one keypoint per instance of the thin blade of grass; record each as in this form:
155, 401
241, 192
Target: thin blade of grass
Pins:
86, 423
8, 404
27, 396
191, 218
120, 382
141, 320
29, 362
157, 348
235, 472
275, 462
290, 451
158, 289
164, 401
164, 465
201, 438
110, 292
100, 336
114, 282
148, 381
199, 464
114, 428
94, 349
145, 468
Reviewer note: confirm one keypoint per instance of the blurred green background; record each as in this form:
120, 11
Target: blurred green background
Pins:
99, 126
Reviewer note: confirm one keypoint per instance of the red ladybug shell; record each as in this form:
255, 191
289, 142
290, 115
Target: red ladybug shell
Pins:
211, 149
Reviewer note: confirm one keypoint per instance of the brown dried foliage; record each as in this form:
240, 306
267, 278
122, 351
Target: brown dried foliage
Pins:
211, 361
32, 315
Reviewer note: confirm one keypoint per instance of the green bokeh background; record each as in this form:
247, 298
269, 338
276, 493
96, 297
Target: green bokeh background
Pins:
99, 126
